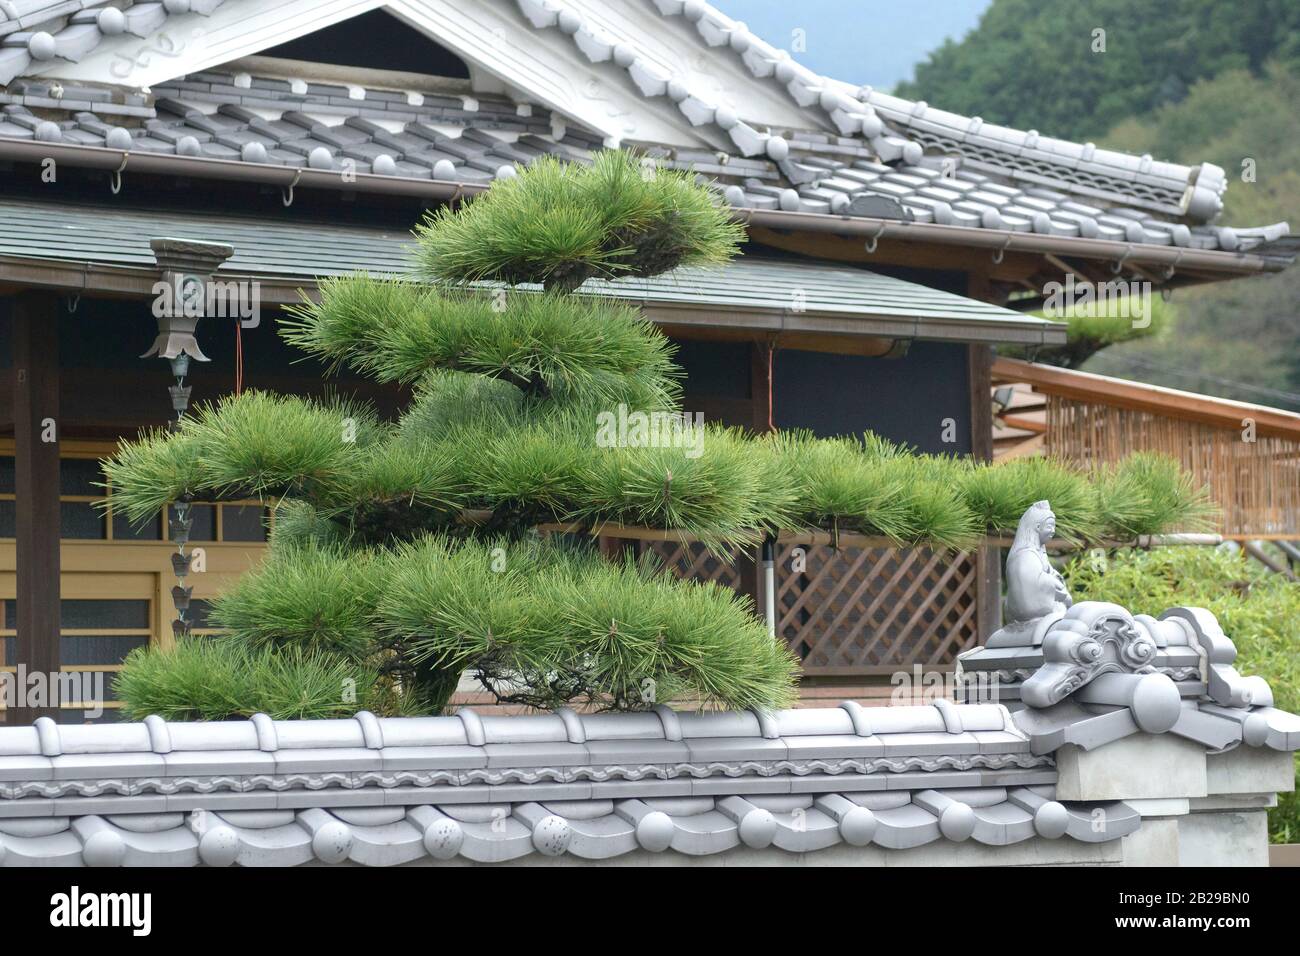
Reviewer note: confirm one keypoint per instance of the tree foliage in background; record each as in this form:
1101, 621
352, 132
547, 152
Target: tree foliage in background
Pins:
1091, 330
1189, 81
1235, 339
1031, 64
1259, 612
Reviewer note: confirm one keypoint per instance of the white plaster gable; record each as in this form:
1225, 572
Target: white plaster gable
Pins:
504, 50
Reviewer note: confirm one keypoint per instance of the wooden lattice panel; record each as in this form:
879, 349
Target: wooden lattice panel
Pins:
872, 610
696, 562
856, 610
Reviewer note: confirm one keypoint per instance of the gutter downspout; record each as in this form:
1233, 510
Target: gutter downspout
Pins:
119, 162
769, 584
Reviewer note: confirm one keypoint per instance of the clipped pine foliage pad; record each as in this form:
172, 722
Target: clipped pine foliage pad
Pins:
559, 224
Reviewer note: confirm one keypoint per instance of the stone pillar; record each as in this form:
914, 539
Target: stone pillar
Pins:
1197, 808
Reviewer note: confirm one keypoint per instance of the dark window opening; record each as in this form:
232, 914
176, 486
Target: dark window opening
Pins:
378, 41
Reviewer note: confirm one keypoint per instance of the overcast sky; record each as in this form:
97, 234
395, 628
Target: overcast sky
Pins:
859, 41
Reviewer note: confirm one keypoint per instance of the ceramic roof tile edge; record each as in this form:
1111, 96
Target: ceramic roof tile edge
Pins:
466, 728
853, 111
376, 818
81, 31
588, 830
1192, 192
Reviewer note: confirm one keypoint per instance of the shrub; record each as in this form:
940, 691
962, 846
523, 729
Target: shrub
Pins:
205, 678
1259, 611
384, 565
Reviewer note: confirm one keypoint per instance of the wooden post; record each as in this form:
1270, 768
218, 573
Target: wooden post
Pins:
761, 394
762, 397
36, 487
988, 560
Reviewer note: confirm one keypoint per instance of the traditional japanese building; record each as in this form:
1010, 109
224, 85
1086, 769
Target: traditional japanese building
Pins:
891, 245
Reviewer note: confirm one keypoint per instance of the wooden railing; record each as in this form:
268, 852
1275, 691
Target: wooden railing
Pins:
1247, 455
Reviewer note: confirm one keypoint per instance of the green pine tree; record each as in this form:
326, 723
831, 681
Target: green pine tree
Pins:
404, 553
407, 553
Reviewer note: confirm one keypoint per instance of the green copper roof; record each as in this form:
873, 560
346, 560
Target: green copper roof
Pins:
774, 294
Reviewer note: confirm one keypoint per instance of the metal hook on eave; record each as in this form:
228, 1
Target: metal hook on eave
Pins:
870, 244
115, 177
997, 256
1117, 267
1173, 267
286, 192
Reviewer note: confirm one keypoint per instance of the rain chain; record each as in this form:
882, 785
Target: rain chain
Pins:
181, 518
187, 267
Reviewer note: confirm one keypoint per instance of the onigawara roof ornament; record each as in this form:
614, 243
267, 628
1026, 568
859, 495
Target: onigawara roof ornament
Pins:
1091, 672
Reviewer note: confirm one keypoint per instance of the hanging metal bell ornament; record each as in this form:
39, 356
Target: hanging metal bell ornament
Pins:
181, 564
180, 397
180, 522
181, 597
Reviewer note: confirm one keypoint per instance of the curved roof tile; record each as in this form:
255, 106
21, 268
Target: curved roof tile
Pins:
874, 155
388, 791
69, 29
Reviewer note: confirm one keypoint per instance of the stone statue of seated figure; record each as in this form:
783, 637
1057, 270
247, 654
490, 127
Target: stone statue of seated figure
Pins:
1100, 653
1036, 592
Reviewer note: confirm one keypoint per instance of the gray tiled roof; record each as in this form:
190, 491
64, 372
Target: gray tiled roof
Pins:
386, 791
1126, 198
890, 158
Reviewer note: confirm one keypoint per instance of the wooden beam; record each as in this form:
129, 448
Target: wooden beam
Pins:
979, 361
868, 345
762, 394
1166, 402
1013, 267
36, 488
1024, 424
988, 559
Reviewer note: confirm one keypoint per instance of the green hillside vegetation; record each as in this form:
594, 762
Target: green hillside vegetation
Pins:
1188, 82
1258, 610
1031, 64
1092, 329
1245, 330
